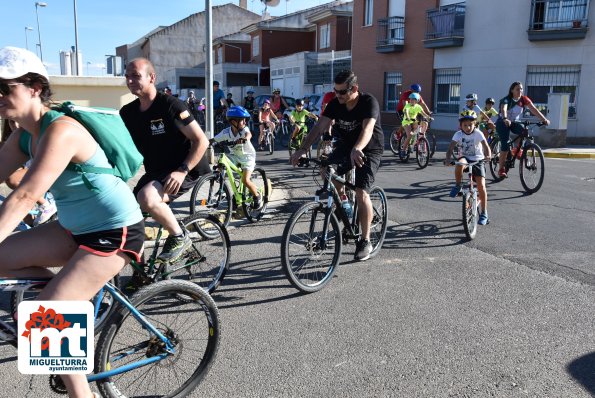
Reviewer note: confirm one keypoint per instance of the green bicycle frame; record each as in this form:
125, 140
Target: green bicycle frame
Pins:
225, 165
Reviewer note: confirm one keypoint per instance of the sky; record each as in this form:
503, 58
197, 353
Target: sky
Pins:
103, 25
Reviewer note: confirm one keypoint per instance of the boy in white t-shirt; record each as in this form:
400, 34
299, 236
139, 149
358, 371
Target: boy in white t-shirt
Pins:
243, 153
472, 146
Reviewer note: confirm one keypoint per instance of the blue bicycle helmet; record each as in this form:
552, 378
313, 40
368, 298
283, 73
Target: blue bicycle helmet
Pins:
416, 87
237, 112
414, 96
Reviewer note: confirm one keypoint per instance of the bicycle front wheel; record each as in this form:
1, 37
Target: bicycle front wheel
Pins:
253, 213
422, 152
191, 326
309, 259
404, 143
469, 215
213, 195
532, 168
495, 147
394, 141
206, 262
271, 143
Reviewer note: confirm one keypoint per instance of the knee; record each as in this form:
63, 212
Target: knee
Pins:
148, 199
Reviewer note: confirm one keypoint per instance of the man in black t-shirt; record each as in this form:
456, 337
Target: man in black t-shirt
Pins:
360, 142
173, 146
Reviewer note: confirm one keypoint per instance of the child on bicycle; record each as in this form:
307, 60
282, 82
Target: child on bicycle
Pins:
242, 152
412, 112
488, 124
472, 146
298, 117
265, 114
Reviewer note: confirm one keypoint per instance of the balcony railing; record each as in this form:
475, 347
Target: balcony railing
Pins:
558, 20
390, 35
445, 26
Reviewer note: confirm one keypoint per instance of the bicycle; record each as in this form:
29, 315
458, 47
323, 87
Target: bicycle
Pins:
282, 132
269, 138
532, 161
144, 339
418, 143
312, 239
471, 201
296, 142
214, 195
397, 133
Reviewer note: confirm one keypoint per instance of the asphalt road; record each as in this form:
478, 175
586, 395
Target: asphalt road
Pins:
506, 315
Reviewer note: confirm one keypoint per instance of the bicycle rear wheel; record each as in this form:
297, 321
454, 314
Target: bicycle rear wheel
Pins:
469, 215
394, 141
192, 326
213, 195
422, 152
259, 179
309, 259
532, 168
379, 219
207, 261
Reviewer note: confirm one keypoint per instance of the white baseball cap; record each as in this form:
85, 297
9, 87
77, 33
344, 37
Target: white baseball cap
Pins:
16, 62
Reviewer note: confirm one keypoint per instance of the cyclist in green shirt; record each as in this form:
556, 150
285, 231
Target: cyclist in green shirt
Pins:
412, 114
490, 122
298, 116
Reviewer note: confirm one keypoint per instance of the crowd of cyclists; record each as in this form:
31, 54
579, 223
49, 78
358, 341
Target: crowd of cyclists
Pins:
94, 242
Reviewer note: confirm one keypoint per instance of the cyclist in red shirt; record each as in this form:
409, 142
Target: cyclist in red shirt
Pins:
404, 98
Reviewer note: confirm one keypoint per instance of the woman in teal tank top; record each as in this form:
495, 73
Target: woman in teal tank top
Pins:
98, 232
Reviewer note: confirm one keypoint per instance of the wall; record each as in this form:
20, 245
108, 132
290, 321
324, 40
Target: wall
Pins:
415, 62
490, 69
110, 92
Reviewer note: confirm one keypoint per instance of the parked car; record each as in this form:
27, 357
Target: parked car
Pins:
315, 103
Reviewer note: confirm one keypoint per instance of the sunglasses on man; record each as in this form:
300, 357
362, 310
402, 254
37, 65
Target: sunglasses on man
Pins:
342, 92
6, 88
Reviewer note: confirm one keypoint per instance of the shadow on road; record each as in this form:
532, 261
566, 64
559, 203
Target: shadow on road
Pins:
583, 370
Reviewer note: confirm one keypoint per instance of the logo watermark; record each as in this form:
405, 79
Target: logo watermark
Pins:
55, 337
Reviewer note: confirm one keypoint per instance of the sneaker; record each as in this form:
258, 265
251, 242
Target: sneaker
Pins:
483, 219
174, 247
502, 173
46, 211
257, 204
363, 248
403, 153
456, 190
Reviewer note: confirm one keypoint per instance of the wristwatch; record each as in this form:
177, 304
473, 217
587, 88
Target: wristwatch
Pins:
184, 167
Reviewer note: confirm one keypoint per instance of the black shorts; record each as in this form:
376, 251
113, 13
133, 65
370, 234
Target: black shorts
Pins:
477, 170
128, 240
365, 175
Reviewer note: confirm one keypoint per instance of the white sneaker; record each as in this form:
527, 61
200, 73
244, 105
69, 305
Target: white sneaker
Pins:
46, 211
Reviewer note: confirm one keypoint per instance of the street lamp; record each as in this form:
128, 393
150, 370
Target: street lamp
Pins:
37, 5
88, 62
27, 28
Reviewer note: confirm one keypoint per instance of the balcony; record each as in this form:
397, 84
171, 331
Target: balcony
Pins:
558, 20
391, 35
445, 26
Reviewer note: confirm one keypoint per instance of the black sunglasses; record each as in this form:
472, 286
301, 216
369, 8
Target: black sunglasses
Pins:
342, 92
5, 88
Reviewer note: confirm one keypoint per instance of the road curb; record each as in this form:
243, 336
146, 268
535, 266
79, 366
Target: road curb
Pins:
567, 155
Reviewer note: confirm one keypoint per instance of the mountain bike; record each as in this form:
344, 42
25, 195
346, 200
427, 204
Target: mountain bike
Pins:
471, 201
395, 139
269, 138
312, 238
146, 340
531, 159
213, 194
418, 143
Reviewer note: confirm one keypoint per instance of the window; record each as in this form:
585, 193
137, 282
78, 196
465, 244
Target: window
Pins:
255, 46
448, 90
368, 12
325, 36
393, 82
542, 80
561, 14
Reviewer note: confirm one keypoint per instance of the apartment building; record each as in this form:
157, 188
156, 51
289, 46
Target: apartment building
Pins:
479, 46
